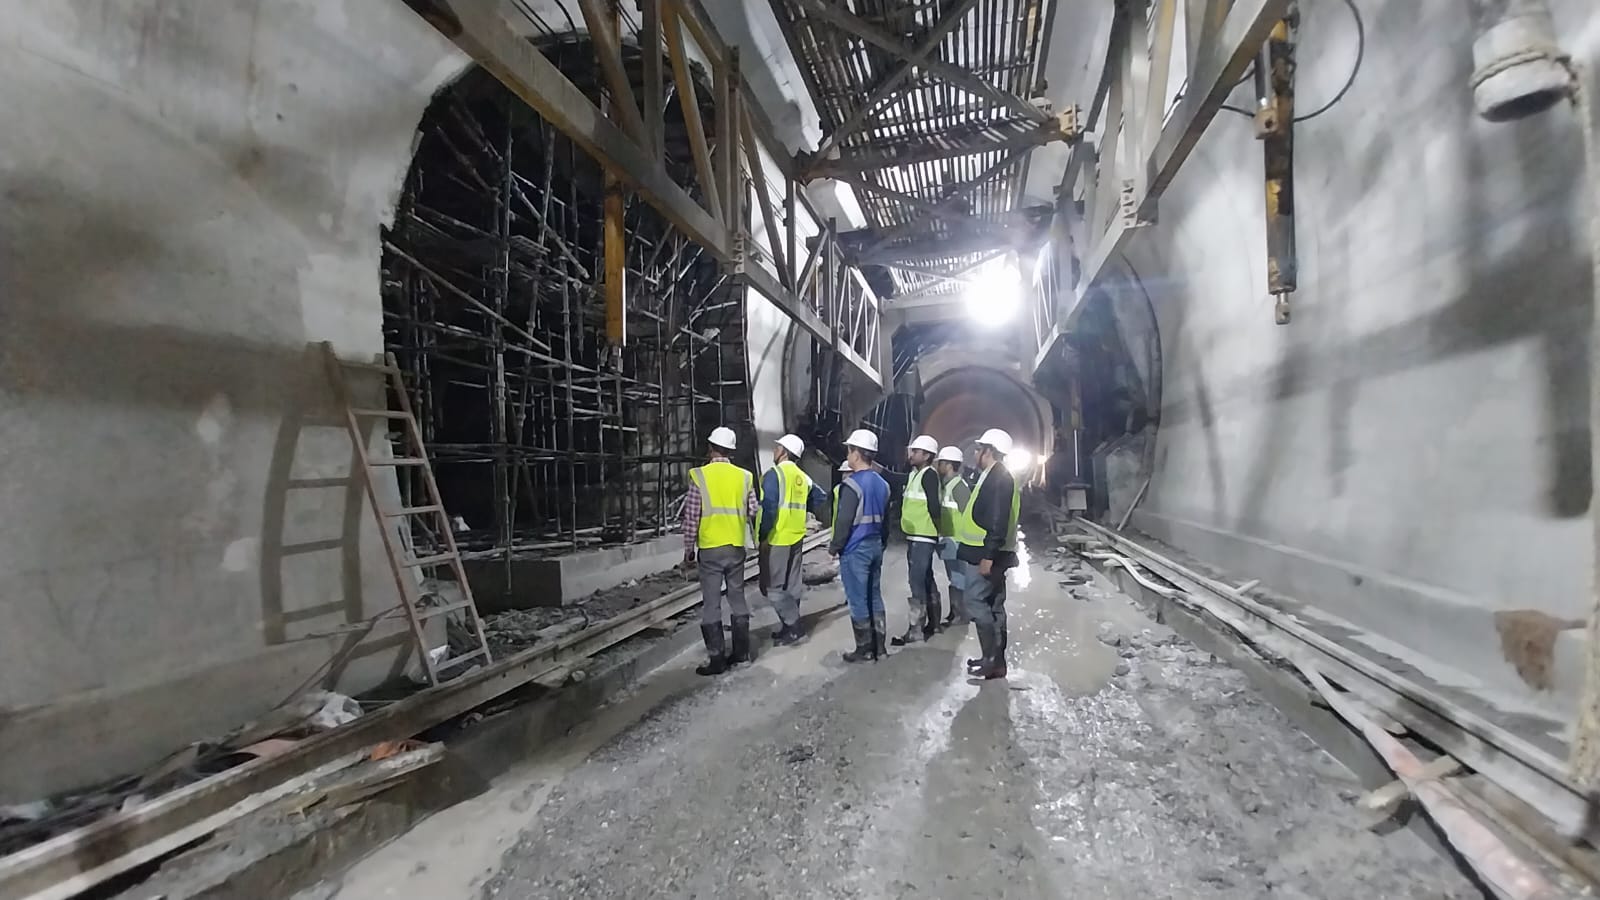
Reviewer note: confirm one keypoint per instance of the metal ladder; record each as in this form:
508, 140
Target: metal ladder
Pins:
407, 451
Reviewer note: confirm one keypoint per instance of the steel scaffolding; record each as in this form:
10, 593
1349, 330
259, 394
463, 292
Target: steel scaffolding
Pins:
547, 436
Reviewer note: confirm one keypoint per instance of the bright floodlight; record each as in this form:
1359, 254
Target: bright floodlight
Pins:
995, 294
1018, 461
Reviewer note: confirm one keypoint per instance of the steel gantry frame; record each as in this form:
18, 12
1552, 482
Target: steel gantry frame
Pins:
736, 156
1138, 134
929, 112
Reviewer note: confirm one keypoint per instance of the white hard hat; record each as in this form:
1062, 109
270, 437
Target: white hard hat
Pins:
998, 440
952, 454
723, 437
845, 466
925, 443
793, 444
862, 439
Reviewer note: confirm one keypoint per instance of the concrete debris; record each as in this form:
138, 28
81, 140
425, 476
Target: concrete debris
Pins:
24, 812
326, 710
822, 573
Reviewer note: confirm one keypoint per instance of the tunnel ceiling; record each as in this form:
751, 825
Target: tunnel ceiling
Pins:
936, 152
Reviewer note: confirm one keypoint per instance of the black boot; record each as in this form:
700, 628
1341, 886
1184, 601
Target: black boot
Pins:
956, 617
786, 635
986, 642
880, 636
863, 634
994, 663
718, 662
910, 637
931, 625
740, 652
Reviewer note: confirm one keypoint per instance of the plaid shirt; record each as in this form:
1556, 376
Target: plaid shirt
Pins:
691, 510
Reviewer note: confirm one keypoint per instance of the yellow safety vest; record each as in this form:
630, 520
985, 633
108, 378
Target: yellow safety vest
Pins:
790, 528
724, 517
916, 518
970, 534
949, 509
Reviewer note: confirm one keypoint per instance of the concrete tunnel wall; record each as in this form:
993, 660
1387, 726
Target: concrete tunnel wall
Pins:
1412, 452
192, 195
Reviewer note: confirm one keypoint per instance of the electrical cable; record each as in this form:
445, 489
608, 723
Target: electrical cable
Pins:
1361, 53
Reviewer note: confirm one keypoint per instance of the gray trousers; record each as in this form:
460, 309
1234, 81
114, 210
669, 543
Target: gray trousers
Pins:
924, 602
785, 565
986, 599
721, 567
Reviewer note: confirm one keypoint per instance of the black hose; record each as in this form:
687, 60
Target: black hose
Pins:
1361, 53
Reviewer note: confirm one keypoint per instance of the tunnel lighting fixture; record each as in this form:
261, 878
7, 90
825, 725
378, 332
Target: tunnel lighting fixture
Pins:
995, 293
1019, 461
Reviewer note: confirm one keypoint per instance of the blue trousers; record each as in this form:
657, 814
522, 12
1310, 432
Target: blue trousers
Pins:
861, 570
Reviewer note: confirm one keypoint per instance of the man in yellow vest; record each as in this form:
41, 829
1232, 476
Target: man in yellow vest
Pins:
986, 529
786, 494
919, 514
953, 495
717, 517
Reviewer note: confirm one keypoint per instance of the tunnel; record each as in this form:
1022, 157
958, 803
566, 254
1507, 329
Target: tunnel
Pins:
846, 448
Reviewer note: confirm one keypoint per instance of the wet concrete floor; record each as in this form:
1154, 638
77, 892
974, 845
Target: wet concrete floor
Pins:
1117, 761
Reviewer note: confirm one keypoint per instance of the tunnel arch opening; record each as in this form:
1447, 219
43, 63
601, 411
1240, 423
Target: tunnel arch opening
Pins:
544, 437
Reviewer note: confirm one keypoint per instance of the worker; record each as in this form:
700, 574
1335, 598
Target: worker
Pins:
986, 528
786, 493
953, 495
919, 523
844, 471
717, 517
858, 537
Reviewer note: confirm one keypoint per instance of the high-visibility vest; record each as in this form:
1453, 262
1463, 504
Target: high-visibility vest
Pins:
835, 504
874, 494
948, 507
970, 534
724, 518
795, 486
916, 518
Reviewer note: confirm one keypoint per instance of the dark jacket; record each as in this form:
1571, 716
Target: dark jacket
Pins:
991, 511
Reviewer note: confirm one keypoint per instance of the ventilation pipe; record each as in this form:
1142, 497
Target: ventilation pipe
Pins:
1518, 69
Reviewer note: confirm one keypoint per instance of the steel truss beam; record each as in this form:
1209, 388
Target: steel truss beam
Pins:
890, 86
967, 81
936, 248
997, 137
1144, 145
626, 147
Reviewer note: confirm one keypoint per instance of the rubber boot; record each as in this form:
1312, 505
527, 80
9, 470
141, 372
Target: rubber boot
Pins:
863, 634
931, 624
718, 661
994, 664
880, 636
986, 644
786, 635
740, 652
913, 635
955, 617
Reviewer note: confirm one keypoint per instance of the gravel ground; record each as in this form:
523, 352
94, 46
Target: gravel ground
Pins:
1118, 761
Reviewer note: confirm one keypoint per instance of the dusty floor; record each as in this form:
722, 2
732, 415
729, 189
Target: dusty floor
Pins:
1116, 762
